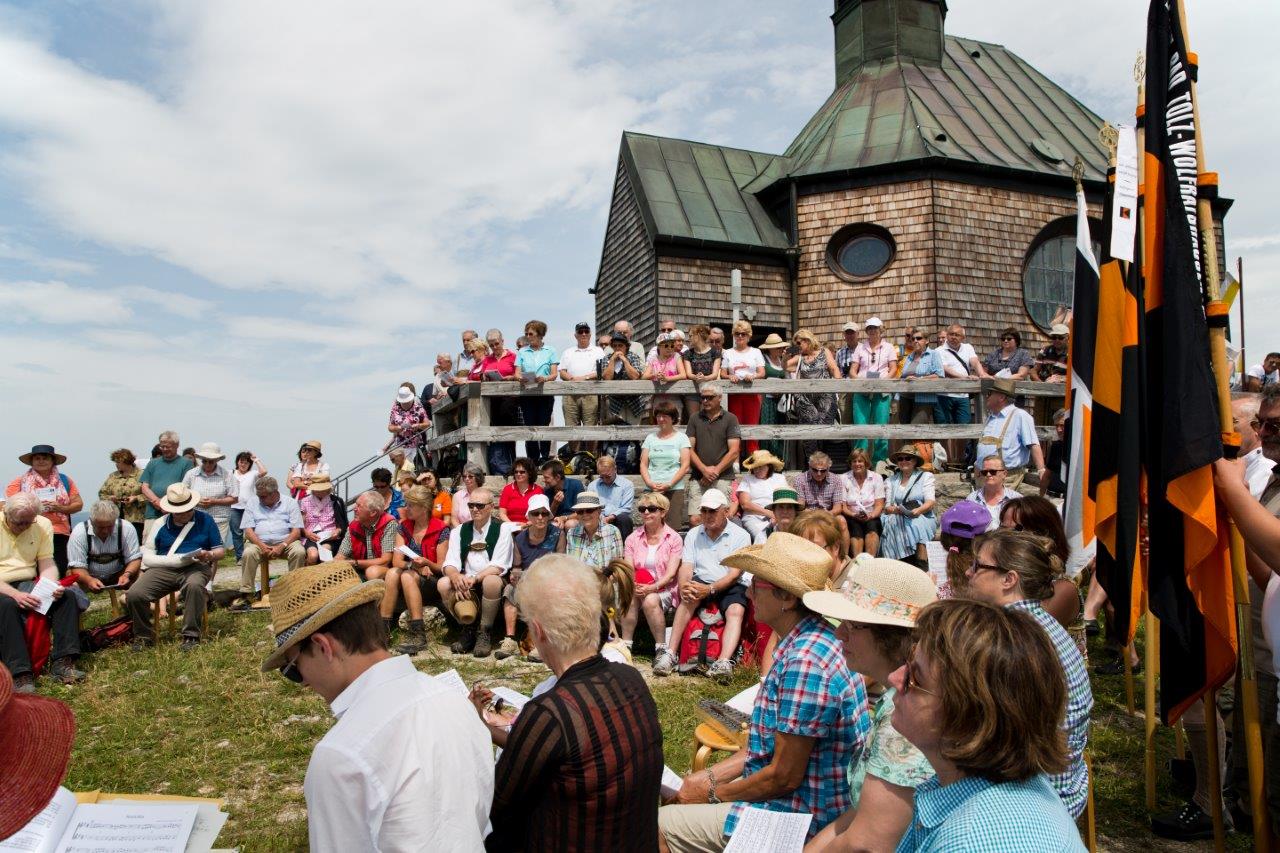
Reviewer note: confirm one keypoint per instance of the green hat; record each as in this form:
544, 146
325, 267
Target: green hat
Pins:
785, 496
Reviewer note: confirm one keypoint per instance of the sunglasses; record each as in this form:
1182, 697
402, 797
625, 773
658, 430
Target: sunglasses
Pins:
290, 671
813, 470
918, 337
742, 334
709, 397
475, 506
539, 513
988, 472
585, 511
1269, 425
648, 509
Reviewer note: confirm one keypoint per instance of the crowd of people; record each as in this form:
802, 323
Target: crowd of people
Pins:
899, 706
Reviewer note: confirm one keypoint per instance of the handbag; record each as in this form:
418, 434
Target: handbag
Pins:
787, 402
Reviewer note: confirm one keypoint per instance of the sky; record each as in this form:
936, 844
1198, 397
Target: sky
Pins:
249, 222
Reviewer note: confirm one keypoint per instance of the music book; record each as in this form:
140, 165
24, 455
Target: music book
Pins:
120, 823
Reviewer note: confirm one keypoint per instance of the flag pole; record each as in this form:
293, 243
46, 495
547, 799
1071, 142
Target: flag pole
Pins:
1244, 360
1217, 315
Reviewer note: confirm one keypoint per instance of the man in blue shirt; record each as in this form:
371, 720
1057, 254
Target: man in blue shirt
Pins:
272, 528
617, 494
180, 554
704, 580
561, 491
1010, 432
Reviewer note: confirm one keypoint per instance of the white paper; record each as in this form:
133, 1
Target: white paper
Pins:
777, 832
407, 552
141, 828
209, 822
44, 590
1124, 206
746, 700
671, 782
514, 698
450, 678
42, 832
48, 494
326, 556
937, 561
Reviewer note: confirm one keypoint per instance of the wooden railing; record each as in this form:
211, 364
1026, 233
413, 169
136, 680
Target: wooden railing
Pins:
475, 398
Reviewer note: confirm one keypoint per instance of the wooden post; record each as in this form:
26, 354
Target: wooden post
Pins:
1129, 703
1090, 814
1248, 700
477, 416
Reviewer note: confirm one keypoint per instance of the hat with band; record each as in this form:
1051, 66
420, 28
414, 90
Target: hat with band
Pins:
785, 560
878, 591
307, 599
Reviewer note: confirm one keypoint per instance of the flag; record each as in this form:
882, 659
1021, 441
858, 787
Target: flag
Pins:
1189, 579
1078, 506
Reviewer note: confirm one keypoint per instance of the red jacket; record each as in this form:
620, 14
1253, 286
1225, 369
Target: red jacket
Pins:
357, 533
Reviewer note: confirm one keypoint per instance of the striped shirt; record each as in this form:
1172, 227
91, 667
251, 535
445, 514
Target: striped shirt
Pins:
1072, 784
979, 816
582, 766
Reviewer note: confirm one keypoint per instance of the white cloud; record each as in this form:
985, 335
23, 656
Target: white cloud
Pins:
59, 303
16, 251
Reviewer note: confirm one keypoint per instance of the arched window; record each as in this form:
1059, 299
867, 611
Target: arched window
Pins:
860, 252
1049, 272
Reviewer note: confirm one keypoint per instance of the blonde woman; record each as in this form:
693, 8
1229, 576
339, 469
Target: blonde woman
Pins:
814, 361
743, 363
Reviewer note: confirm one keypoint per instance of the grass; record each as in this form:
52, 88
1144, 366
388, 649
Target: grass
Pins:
208, 723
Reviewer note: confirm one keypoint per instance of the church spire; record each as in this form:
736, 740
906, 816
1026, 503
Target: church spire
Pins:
868, 30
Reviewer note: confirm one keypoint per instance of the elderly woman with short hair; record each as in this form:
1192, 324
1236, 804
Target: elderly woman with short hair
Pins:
973, 664
920, 364
566, 779
1017, 570
471, 478
877, 607
124, 490
1009, 360
409, 420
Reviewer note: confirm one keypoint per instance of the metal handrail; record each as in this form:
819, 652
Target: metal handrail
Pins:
344, 478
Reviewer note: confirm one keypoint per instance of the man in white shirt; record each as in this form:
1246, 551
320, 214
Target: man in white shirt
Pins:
104, 550
408, 765
1009, 432
475, 571
1257, 467
959, 361
578, 364
1267, 373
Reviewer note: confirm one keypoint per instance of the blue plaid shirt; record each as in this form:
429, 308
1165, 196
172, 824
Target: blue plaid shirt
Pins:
1072, 785
809, 692
978, 816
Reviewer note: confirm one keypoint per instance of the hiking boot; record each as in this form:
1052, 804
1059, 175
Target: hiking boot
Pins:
415, 642
24, 683
138, 644
64, 671
466, 642
484, 644
507, 648
189, 644
1189, 823
242, 605
1116, 667
663, 663
1091, 628
720, 670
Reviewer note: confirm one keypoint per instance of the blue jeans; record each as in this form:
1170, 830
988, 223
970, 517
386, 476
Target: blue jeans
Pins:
952, 410
237, 535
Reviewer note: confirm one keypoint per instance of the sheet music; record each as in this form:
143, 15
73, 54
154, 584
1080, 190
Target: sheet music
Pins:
777, 832
140, 828
450, 678
204, 832
937, 561
42, 832
746, 700
671, 783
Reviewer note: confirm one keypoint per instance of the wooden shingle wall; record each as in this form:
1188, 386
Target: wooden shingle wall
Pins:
626, 284
903, 295
696, 290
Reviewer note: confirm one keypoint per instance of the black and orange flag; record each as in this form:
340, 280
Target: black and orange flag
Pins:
1189, 576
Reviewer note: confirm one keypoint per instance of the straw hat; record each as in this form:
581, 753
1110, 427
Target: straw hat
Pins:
47, 450
763, 457
314, 445
179, 498
307, 599
878, 591
34, 755
321, 483
908, 450
1000, 386
211, 451
785, 560
773, 342
785, 496
587, 500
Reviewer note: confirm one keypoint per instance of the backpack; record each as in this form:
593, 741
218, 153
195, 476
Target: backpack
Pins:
114, 633
625, 453
700, 644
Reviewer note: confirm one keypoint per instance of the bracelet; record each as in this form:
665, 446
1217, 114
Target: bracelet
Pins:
711, 787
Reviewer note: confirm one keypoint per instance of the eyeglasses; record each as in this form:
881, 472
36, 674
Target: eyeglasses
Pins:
709, 397
912, 681
290, 669
742, 334
645, 510
991, 472
1270, 425
979, 566
918, 337
475, 506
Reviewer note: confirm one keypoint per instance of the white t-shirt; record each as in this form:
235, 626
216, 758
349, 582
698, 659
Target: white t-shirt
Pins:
955, 363
247, 480
1258, 372
743, 364
581, 362
761, 491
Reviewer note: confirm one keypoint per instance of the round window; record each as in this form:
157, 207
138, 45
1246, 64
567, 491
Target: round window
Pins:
1049, 271
860, 252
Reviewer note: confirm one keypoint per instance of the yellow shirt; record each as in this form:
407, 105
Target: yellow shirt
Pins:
19, 554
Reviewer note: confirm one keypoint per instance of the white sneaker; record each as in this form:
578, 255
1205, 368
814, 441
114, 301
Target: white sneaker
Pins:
720, 669
663, 663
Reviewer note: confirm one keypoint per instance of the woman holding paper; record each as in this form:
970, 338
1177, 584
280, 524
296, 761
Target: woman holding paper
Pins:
59, 498
415, 566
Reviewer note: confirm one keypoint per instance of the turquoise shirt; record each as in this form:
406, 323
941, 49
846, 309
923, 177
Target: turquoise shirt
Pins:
535, 362
979, 816
162, 473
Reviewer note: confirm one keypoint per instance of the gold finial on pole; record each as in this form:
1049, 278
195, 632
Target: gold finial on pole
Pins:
1109, 136
1077, 173
1140, 67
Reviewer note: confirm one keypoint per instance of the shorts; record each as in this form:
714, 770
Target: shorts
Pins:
697, 828
860, 529
736, 594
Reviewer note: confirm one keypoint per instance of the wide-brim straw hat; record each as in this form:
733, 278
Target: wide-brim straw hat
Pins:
587, 500
47, 450
763, 457
307, 599
908, 450
211, 451
878, 591
785, 496
321, 483
179, 498
773, 342
34, 753
787, 561
314, 445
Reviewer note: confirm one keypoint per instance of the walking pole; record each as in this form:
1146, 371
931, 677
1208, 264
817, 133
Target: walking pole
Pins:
1240, 578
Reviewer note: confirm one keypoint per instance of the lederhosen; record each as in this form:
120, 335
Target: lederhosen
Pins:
105, 557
